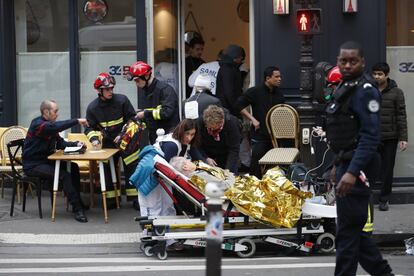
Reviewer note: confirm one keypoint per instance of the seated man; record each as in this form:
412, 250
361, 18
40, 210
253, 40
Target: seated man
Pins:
42, 140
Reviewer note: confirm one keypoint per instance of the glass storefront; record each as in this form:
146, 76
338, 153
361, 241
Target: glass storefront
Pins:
400, 57
42, 56
107, 41
166, 45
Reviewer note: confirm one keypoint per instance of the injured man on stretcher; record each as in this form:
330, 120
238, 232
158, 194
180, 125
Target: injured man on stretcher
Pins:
272, 200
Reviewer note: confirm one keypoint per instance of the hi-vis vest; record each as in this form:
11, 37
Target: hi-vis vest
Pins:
169, 138
130, 141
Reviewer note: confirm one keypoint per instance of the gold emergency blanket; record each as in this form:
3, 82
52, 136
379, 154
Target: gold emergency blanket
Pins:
273, 200
201, 182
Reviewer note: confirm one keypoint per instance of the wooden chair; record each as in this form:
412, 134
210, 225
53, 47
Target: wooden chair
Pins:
2, 129
10, 134
88, 169
282, 122
14, 149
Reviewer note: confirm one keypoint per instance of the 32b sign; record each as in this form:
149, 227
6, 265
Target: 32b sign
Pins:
406, 67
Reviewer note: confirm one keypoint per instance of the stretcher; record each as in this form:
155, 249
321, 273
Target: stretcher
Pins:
240, 233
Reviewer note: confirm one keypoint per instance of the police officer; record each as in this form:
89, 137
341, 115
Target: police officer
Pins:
108, 113
353, 131
161, 107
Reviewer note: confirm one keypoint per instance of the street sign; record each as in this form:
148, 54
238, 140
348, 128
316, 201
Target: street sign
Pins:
309, 21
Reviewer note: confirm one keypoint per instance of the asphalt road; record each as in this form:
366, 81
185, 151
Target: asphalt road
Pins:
124, 259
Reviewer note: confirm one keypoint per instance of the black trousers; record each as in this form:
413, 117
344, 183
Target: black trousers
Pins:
70, 182
353, 245
388, 151
259, 149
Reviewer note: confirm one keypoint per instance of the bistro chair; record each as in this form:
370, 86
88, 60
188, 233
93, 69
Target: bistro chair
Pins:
282, 122
14, 149
9, 134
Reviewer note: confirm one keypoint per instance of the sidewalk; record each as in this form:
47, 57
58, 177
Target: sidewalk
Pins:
391, 227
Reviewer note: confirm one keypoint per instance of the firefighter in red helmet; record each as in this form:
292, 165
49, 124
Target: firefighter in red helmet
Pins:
106, 115
161, 107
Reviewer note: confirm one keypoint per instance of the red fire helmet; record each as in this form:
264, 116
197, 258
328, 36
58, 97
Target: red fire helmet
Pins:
139, 69
104, 80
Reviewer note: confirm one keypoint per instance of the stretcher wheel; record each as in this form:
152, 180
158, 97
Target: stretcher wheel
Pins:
326, 242
315, 225
251, 248
148, 251
159, 231
162, 255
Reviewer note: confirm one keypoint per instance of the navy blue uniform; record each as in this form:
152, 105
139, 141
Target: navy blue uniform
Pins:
354, 137
42, 140
109, 117
161, 108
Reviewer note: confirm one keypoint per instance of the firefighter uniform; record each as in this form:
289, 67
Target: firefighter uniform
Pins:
108, 117
353, 132
161, 108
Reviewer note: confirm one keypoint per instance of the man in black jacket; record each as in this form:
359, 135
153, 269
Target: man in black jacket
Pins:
193, 60
393, 128
220, 138
261, 98
229, 78
161, 107
41, 141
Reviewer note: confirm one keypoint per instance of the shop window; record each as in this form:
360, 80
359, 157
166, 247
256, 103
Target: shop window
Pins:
107, 40
42, 56
400, 57
165, 42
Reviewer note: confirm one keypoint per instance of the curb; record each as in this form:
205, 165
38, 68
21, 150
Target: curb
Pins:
391, 239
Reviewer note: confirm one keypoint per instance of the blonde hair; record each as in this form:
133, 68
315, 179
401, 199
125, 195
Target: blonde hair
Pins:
213, 115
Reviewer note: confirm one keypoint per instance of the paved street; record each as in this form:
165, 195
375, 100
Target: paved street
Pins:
30, 245
122, 259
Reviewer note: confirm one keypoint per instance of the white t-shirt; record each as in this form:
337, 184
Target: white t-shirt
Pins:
211, 69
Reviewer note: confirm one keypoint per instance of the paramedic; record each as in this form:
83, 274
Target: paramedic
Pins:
42, 140
181, 142
161, 110
353, 132
107, 114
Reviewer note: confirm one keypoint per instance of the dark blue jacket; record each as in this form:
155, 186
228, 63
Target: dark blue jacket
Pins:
43, 139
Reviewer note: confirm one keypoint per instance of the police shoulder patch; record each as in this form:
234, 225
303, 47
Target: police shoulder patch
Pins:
373, 106
367, 85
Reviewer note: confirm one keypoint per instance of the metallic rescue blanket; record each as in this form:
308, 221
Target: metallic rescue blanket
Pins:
273, 200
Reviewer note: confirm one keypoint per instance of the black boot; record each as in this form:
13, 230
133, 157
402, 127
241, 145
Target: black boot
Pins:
80, 216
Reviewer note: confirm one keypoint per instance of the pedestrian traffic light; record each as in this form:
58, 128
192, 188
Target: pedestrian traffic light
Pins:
309, 21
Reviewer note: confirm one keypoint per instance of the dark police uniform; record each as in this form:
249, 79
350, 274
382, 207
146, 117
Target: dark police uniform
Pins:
353, 132
109, 117
42, 140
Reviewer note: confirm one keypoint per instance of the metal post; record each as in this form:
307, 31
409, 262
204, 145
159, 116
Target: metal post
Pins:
214, 229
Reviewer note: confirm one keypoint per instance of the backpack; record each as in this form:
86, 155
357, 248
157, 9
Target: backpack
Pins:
130, 142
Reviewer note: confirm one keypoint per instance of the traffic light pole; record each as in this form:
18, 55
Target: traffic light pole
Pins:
306, 109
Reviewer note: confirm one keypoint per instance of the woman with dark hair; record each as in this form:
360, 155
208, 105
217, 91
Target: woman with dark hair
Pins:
183, 141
